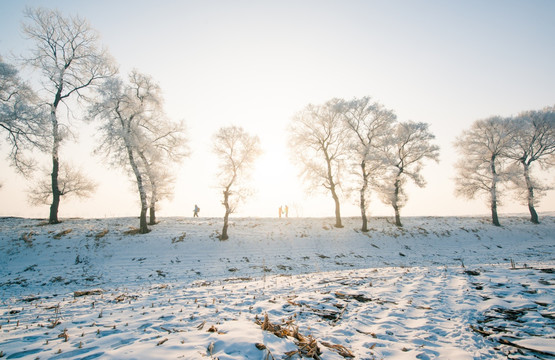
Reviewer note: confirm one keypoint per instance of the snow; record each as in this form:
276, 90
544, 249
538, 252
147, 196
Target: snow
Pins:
453, 287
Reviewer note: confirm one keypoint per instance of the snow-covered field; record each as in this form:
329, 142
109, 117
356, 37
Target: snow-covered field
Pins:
446, 288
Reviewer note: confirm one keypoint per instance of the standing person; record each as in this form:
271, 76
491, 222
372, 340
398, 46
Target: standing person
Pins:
286, 211
196, 211
280, 211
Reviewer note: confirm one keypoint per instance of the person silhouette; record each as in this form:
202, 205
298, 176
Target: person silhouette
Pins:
196, 211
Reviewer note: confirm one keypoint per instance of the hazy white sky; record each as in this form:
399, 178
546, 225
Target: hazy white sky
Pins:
256, 63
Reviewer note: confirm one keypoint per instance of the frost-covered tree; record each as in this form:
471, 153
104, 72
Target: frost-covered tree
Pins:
66, 52
237, 151
135, 133
403, 154
533, 141
369, 124
482, 167
319, 144
22, 119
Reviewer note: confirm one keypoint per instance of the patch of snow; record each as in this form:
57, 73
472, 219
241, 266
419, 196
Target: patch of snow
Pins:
437, 288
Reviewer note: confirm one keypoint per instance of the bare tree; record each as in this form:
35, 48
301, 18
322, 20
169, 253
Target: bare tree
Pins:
533, 142
237, 151
21, 117
66, 52
71, 180
131, 125
319, 141
403, 154
482, 167
369, 122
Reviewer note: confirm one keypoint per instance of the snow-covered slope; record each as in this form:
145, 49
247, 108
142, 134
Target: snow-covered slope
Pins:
437, 288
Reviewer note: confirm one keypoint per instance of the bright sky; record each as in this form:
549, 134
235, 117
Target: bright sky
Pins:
256, 63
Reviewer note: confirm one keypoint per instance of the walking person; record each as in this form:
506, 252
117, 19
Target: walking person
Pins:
196, 211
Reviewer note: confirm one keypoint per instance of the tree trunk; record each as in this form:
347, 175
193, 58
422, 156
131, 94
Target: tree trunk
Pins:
395, 202
397, 216
494, 217
143, 228
363, 197
153, 200
53, 218
337, 210
333, 193
533, 214
224, 235
152, 214
335, 199
153, 194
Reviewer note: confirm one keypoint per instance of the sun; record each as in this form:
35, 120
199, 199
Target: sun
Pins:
274, 180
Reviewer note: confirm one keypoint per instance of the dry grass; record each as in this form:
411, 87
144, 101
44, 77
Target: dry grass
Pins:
62, 233
307, 345
179, 238
132, 231
87, 292
101, 234
28, 238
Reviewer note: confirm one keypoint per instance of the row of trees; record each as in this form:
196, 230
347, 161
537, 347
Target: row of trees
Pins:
341, 145
498, 153
75, 70
135, 133
360, 143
